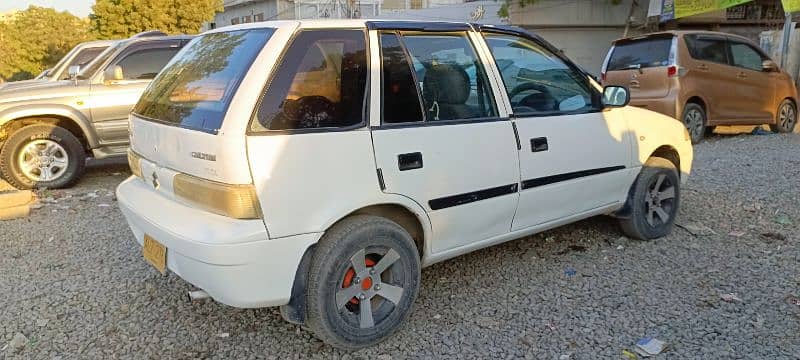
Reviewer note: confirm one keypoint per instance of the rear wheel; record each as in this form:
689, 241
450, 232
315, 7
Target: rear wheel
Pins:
694, 118
654, 201
363, 280
786, 118
42, 155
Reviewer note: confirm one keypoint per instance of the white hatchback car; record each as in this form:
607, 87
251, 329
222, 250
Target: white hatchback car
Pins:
318, 165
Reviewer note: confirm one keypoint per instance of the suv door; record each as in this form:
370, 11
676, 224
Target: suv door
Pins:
442, 141
755, 88
711, 76
574, 157
112, 100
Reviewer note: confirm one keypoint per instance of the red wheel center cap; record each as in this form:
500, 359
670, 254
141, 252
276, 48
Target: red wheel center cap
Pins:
366, 284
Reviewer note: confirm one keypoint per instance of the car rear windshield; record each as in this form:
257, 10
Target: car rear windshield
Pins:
632, 54
195, 88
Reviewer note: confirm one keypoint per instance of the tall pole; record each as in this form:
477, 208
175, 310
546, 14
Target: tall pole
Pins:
787, 32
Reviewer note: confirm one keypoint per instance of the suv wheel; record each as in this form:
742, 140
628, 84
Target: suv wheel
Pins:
694, 118
42, 155
654, 201
786, 118
363, 280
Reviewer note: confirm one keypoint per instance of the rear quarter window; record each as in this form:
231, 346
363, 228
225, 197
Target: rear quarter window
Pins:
195, 89
644, 53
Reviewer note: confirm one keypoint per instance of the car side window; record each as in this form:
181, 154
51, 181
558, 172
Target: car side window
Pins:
453, 81
145, 64
401, 100
83, 58
707, 48
536, 80
743, 55
320, 83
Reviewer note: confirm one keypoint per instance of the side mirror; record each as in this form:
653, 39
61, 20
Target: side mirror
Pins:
769, 66
113, 73
616, 96
72, 71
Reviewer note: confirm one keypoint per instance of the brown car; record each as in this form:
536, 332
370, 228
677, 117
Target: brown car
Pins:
703, 78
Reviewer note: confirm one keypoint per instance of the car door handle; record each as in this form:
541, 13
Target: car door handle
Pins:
741, 75
702, 67
409, 161
539, 144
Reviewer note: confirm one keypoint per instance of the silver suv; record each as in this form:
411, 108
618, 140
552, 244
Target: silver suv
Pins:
49, 128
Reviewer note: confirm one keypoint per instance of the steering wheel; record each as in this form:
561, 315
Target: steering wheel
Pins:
527, 86
540, 101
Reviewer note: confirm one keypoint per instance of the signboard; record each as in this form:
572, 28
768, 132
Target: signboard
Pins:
684, 8
791, 5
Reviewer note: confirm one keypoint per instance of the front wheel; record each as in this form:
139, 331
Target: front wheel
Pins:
786, 118
42, 156
363, 280
654, 201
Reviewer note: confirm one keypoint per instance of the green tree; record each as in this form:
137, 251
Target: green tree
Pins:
113, 19
36, 39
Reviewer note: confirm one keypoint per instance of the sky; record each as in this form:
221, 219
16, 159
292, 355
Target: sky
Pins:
76, 7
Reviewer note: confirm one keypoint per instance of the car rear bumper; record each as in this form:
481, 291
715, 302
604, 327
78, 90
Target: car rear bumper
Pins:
232, 260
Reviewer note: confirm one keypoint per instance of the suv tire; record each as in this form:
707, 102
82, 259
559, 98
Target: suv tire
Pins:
343, 277
786, 118
694, 118
654, 201
42, 156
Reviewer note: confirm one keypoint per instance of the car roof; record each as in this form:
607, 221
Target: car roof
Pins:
97, 43
345, 23
682, 33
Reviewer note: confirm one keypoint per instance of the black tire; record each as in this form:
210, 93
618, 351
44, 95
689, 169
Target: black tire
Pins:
785, 117
70, 149
645, 221
694, 118
380, 239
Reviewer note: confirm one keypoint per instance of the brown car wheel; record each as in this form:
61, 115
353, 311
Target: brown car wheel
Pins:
694, 118
786, 118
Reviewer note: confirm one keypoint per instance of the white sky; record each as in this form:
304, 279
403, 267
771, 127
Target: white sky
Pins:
76, 7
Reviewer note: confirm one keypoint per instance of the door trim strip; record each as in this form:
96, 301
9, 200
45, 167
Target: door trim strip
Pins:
547, 180
466, 198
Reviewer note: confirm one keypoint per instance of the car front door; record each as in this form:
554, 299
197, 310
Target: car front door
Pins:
710, 72
755, 88
574, 156
112, 99
441, 140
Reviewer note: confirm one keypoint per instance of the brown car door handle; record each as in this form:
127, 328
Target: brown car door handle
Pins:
741, 75
634, 83
702, 67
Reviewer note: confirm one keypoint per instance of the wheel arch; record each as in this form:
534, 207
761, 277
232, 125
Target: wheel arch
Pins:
69, 119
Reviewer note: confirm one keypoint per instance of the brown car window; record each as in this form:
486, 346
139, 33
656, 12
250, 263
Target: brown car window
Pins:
743, 55
707, 48
640, 53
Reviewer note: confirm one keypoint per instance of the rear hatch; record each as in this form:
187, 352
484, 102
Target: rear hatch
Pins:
178, 142
644, 65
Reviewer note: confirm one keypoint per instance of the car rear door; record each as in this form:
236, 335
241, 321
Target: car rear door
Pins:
574, 157
442, 141
755, 88
112, 100
641, 66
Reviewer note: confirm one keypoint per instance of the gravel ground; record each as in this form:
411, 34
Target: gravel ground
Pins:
74, 284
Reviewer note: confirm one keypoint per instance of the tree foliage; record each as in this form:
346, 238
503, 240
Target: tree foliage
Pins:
35, 39
112, 19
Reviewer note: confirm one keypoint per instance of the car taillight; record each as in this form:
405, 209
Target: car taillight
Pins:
603, 76
672, 71
135, 163
236, 201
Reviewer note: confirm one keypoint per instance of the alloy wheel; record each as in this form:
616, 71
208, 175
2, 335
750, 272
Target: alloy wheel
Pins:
43, 160
367, 294
787, 116
694, 123
659, 201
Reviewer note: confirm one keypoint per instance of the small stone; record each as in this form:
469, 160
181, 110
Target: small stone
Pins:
384, 357
18, 342
730, 297
223, 335
620, 247
103, 205
437, 316
41, 322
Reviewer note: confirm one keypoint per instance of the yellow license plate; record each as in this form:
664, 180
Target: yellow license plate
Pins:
155, 254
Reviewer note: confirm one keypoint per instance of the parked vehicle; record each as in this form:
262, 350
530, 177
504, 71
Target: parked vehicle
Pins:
704, 79
48, 129
81, 55
317, 166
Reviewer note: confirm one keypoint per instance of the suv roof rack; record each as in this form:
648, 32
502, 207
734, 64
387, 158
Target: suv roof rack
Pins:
149, 33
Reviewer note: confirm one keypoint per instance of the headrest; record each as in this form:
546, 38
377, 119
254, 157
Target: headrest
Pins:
446, 84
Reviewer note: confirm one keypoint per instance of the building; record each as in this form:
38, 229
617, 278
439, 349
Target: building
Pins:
584, 29
481, 11
246, 11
